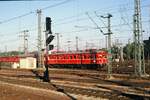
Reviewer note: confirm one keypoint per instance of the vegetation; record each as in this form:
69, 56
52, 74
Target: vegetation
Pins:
11, 53
129, 50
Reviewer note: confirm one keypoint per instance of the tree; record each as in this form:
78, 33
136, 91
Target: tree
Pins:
115, 52
129, 51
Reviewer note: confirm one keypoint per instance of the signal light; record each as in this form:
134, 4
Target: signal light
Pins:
49, 39
51, 47
48, 25
49, 36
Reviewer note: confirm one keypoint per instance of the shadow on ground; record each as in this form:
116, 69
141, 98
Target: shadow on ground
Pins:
57, 88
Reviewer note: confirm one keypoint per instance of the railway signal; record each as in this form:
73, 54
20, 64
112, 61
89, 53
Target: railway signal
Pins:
51, 47
49, 37
48, 25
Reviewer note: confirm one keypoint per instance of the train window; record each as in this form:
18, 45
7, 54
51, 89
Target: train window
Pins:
87, 56
57, 57
74, 56
84, 56
64, 57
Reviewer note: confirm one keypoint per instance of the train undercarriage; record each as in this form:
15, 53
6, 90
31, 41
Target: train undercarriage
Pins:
79, 66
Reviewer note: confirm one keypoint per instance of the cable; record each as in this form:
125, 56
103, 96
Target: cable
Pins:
28, 0
51, 6
100, 19
57, 4
81, 14
94, 23
29, 13
56, 24
8, 20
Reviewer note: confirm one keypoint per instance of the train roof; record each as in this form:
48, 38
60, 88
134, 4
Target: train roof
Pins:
76, 52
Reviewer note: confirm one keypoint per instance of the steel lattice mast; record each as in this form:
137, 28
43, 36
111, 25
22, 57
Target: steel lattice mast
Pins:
138, 40
109, 64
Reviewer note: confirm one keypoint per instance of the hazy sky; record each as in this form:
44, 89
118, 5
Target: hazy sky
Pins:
70, 20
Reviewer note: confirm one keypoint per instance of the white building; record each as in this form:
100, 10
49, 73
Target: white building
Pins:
26, 63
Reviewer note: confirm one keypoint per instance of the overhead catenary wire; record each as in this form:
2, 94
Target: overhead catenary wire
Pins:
55, 5
83, 13
32, 12
80, 20
51, 6
94, 22
81, 30
100, 18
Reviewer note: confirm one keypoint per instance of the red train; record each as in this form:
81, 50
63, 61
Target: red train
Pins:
10, 59
90, 59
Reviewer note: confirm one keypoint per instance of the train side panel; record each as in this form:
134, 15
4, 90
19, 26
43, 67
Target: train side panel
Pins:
94, 58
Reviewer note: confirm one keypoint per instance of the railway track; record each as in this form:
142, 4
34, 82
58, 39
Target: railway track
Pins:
66, 89
90, 87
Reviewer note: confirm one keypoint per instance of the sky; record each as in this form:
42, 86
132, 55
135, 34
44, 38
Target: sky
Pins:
70, 19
